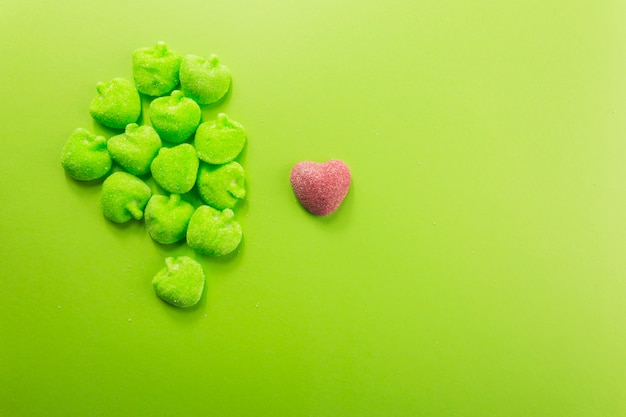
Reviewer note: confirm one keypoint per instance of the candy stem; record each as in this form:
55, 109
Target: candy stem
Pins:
134, 210
223, 118
101, 88
227, 214
174, 199
236, 190
161, 48
214, 60
178, 95
98, 142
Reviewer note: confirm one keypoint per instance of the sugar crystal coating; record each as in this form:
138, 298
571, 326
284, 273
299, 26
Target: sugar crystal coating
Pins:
175, 169
123, 197
116, 104
221, 186
167, 218
135, 149
213, 232
85, 156
219, 141
320, 187
204, 80
175, 117
180, 283
155, 70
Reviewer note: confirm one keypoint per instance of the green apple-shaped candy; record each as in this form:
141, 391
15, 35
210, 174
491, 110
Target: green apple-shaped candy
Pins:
176, 117
219, 141
85, 156
180, 283
213, 232
117, 104
175, 169
155, 70
123, 197
221, 186
167, 218
135, 149
204, 80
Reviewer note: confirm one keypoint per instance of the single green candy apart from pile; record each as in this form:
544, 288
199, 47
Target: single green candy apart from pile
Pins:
219, 141
85, 156
181, 282
135, 149
213, 232
155, 70
221, 186
176, 117
123, 197
116, 104
167, 218
204, 80
175, 169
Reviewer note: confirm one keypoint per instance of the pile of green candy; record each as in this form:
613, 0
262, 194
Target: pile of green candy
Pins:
178, 86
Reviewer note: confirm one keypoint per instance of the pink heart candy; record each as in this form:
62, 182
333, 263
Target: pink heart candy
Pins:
320, 187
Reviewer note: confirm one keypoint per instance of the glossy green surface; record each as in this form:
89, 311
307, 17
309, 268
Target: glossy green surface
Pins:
476, 267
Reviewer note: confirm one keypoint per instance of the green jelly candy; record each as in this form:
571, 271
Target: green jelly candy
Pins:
180, 283
219, 141
175, 169
117, 104
167, 218
204, 80
155, 70
124, 197
176, 117
85, 156
135, 149
213, 232
221, 186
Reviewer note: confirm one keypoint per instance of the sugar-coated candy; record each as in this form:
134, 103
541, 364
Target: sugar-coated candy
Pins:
135, 149
180, 283
167, 218
155, 70
175, 117
221, 186
219, 141
116, 104
213, 232
85, 156
124, 197
204, 80
320, 187
175, 169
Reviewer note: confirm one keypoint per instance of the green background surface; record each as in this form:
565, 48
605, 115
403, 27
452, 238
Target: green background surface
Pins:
476, 267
